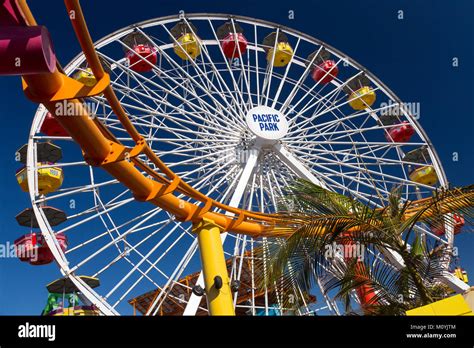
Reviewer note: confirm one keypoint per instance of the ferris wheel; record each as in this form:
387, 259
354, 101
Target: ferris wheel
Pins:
232, 109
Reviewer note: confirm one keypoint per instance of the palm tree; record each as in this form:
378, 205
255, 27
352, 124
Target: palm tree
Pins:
339, 240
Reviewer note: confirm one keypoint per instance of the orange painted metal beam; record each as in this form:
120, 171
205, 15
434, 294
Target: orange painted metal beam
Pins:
100, 146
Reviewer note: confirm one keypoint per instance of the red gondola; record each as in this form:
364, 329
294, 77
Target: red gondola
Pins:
52, 127
233, 41
142, 58
325, 72
458, 222
233, 44
32, 248
324, 69
401, 133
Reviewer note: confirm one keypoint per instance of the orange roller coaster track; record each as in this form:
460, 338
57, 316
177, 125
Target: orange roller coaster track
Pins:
101, 148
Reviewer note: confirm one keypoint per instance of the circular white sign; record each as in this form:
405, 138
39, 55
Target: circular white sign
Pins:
267, 123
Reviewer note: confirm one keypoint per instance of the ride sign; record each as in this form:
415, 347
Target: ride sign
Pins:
267, 123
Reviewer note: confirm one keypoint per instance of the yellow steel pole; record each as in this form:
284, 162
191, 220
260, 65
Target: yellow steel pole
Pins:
216, 279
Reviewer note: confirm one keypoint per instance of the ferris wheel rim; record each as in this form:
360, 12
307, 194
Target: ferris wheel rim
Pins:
250, 20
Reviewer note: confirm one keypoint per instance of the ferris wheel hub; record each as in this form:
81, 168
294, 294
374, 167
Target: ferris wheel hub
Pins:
267, 123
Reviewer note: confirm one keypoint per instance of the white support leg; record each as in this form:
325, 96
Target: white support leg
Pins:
194, 301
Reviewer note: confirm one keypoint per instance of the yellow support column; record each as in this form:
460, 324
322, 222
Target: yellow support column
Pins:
216, 279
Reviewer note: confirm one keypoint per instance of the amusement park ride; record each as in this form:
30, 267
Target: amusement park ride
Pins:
198, 136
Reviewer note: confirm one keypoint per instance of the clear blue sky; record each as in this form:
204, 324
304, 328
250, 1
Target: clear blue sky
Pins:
412, 56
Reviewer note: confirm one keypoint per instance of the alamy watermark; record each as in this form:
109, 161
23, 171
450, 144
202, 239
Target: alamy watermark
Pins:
28, 330
399, 109
66, 108
345, 251
10, 250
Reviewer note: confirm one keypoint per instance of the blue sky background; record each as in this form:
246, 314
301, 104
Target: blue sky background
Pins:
412, 56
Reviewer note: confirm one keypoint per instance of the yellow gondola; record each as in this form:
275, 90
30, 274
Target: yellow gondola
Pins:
278, 49
49, 179
362, 98
425, 175
283, 54
86, 77
188, 46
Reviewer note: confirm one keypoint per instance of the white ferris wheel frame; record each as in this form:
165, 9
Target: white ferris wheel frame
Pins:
284, 155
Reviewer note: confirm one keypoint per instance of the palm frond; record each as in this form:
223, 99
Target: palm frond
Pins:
320, 218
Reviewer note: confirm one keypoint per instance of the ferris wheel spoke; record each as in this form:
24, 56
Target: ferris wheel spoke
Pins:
62, 164
96, 215
257, 69
161, 104
215, 187
338, 106
38, 138
145, 274
201, 74
207, 181
368, 171
312, 104
199, 130
285, 74
347, 133
145, 123
111, 203
152, 113
145, 257
114, 241
179, 137
304, 75
206, 54
70, 191
111, 230
230, 70
269, 72
381, 158
242, 66
211, 155
185, 151
326, 171
183, 142
328, 124
365, 165
205, 122
224, 124
328, 102
170, 91
124, 87
135, 230
373, 143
